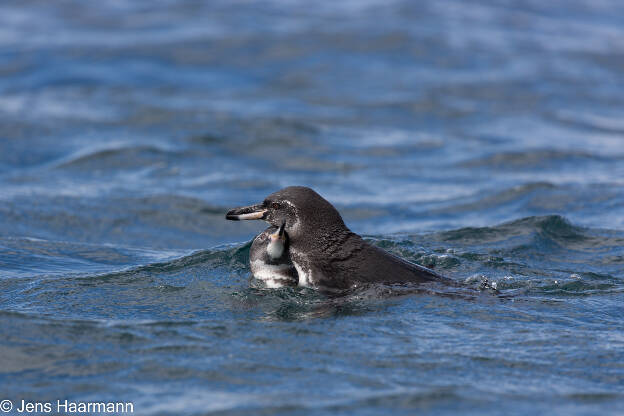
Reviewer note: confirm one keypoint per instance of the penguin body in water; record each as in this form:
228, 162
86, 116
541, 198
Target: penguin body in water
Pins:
324, 252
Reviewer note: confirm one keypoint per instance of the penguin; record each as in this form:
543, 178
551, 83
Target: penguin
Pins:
323, 250
270, 260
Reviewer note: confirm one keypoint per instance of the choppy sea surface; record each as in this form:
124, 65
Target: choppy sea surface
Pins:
484, 139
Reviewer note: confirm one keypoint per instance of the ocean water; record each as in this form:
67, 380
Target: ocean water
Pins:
484, 139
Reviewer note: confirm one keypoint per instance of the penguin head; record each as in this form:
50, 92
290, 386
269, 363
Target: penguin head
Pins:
277, 211
298, 208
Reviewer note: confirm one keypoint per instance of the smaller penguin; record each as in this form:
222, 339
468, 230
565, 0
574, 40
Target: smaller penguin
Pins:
270, 260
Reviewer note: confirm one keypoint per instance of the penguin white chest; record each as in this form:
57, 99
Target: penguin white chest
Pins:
273, 275
304, 279
304, 272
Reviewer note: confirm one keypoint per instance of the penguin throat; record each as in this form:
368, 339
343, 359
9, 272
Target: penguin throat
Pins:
275, 249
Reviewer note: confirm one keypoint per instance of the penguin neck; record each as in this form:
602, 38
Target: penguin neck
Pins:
275, 250
316, 240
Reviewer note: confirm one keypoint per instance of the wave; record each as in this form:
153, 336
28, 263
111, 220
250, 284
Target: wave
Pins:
596, 122
115, 157
531, 159
233, 257
533, 259
547, 253
553, 226
504, 197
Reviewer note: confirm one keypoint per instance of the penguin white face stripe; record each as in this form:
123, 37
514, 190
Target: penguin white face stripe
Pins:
294, 229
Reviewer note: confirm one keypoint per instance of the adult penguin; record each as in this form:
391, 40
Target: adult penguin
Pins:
325, 253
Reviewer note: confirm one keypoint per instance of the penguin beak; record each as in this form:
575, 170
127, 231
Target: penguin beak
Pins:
252, 212
280, 232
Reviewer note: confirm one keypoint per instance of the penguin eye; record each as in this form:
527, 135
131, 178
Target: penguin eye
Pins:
275, 205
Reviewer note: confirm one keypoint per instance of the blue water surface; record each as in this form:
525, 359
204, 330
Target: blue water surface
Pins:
484, 139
